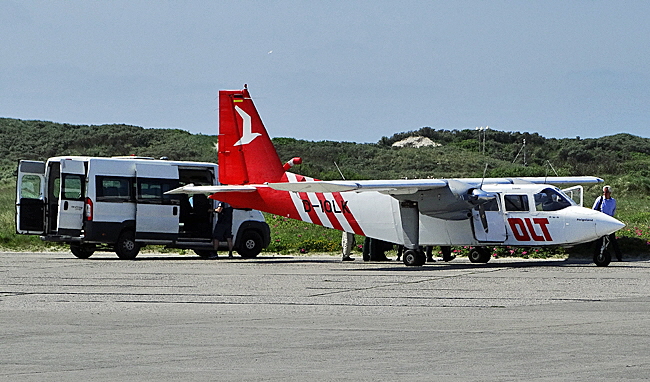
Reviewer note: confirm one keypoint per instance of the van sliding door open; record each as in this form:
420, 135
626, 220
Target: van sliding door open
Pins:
157, 214
71, 197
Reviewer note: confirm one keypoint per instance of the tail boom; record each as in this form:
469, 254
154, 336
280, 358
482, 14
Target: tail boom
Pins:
328, 210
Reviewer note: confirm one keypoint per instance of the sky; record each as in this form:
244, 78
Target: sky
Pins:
332, 70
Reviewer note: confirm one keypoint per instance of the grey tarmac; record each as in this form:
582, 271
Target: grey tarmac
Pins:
314, 318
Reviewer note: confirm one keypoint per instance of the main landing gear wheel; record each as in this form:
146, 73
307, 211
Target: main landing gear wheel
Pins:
413, 258
479, 255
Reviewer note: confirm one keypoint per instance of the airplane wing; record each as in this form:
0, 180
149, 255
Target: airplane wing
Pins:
563, 180
406, 186
392, 187
209, 190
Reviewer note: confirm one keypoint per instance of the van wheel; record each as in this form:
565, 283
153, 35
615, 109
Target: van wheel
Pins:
82, 251
126, 248
250, 244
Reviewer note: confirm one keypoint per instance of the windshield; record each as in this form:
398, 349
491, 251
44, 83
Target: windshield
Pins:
550, 200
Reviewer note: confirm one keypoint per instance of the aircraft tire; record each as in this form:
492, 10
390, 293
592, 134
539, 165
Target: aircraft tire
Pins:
126, 248
602, 259
82, 251
413, 258
479, 255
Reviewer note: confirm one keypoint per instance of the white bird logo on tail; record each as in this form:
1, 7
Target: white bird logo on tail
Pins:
247, 133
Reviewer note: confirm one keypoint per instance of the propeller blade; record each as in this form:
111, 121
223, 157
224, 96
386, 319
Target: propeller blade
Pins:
481, 213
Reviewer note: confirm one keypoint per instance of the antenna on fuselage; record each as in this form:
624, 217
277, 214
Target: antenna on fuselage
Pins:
552, 168
483, 179
337, 167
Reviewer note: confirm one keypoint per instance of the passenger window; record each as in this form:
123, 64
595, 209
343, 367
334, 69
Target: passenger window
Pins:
550, 200
113, 189
73, 187
516, 202
30, 187
153, 191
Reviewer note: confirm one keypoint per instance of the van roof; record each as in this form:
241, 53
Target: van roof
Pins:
127, 158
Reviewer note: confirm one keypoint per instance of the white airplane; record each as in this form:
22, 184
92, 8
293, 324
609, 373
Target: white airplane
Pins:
474, 212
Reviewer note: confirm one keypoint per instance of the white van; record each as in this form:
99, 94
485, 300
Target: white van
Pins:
120, 204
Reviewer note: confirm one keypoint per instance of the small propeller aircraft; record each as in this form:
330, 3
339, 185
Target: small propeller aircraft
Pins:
475, 212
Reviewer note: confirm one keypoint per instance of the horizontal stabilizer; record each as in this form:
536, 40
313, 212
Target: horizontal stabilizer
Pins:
209, 190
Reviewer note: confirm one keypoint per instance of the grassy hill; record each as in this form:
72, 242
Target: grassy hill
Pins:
38, 140
623, 160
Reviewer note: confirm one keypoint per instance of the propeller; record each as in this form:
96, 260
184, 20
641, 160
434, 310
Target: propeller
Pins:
481, 214
482, 197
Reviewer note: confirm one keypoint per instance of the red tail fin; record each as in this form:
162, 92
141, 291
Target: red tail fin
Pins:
246, 153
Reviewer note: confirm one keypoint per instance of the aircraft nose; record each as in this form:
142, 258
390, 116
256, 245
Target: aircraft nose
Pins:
606, 225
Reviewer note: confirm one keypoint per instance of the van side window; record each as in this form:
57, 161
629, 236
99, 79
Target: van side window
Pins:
516, 202
113, 189
73, 187
153, 191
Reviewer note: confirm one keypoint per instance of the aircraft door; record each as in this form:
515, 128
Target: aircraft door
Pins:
157, 214
576, 193
549, 217
488, 222
30, 198
71, 201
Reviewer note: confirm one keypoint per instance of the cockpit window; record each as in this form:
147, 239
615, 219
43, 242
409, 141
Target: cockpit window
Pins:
491, 205
550, 200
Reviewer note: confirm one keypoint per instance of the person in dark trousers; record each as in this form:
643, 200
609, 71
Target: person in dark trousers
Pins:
400, 251
607, 205
375, 249
428, 250
223, 228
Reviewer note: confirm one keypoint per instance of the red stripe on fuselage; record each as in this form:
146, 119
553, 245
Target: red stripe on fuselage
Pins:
306, 204
328, 209
348, 216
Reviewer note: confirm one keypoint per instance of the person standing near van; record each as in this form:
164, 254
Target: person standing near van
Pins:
607, 205
223, 228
